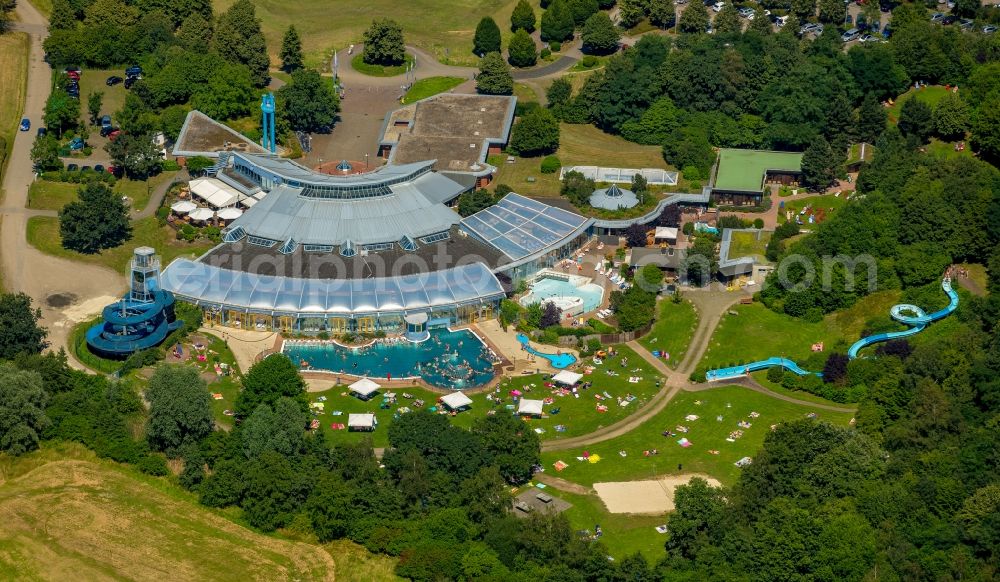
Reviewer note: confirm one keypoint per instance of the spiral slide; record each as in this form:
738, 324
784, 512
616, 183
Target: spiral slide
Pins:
129, 326
906, 314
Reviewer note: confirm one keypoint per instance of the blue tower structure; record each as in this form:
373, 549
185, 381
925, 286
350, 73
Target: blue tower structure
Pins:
267, 122
142, 319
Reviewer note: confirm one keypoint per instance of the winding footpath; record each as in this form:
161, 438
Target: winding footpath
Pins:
25, 268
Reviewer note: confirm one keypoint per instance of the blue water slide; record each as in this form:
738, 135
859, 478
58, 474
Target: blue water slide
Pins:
558, 361
904, 313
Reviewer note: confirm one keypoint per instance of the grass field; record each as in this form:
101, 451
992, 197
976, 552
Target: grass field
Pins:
49, 195
579, 145
67, 514
93, 81
13, 78
672, 331
623, 534
444, 29
425, 88
746, 244
577, 416
732, 403
929, 95
828, 203
758, 333
744, 169
43, 234
946, 149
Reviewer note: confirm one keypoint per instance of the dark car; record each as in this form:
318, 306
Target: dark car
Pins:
107, 130
72, 167
42, 131
135, 71
113, 80
98, 168
129, 82
949, 19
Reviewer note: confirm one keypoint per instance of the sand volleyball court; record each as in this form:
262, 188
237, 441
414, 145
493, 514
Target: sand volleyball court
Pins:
653, 496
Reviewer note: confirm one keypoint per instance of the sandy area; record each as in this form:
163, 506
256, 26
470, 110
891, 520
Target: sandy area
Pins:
510, 348
648, 497
245, 344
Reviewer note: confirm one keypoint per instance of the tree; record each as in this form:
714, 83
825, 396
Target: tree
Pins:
494, 76
817, 164
94, 102
635, 235
238, 38
832, 11
835, 368
522, 18
871, 119
728, 20
630, 13
22, 410
557, 22
45, 153
600, 35
521, 49
19, 329
291, 51
577, 188
195, 33
536, 133
694, 18
967, 8
582, 10
61, 112
509, 445
180, 409
640, 186
986, 129
761, 23
916, 119
699, 264
473, 201
64, 16
951, 117
384, 44
280, 428
136, 155
803, 10
662, 13
551, 315
559, 92
97, 220
487, 39
268, 380
228, 94
510, 312
309, 102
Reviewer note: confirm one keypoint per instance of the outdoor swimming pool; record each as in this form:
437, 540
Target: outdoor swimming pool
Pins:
449, 359
555, 286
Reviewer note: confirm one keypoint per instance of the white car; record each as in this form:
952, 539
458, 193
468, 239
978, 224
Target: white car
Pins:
717, 7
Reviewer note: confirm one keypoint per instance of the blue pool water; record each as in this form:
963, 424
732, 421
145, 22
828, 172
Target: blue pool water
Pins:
547, 287
559, 361
449, 359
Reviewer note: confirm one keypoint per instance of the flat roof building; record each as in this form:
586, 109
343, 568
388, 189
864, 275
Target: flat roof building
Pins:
741, 174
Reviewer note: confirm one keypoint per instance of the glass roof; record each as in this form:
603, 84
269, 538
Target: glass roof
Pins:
205, 284
520, 226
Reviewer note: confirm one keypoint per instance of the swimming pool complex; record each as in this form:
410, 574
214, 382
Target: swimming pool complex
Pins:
449, 359
563, 290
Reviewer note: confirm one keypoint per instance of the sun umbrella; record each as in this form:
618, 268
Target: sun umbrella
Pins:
231, 213
183, 206
202, 215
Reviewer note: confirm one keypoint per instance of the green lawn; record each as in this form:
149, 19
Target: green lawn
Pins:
758, 333
579, 145
929, 95
946, 149
624, 534
43, 234
577, 415
425, 88
744, 169
444, 29
827, 203
46, 195
359, 65
524, 93
93, 81
746, 244
732, 403
139, 191
13, 78
672, 331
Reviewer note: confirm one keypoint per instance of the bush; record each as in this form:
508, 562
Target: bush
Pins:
170, 166
161, 215
551, 165
758, 223
555, 46
154, 465
589, 61
546, 53
775, 374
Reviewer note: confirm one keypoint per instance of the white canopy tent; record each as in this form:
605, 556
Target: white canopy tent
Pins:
456, 400
215, 193
364, 387
532, 407
365, 421
666, 232
183, 207
201, 215
231, 213
567, 378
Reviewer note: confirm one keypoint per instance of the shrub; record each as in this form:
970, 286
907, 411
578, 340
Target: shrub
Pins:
589, 61
154, 465
758, 223
775, 374
555, 46
546, 53
551, 165
170, 165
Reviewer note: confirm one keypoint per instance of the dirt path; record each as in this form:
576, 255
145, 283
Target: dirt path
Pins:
62, 289
751, 384
562, 484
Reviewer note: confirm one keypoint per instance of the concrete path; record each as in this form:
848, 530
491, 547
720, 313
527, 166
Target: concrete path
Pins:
159, 193
66, 291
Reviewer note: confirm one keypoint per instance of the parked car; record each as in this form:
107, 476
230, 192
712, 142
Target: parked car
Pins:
937, 17
72, 69
779, 21
75, 75
41, 132
718, 6
108, 130
72, 167
808, 28
105, 121
135, 71
747, 13
77, 144
852, 34
86, 169
98, 168
129, 82
113, 80
866, 38
989, 29
25, 124
966, 23
114, 134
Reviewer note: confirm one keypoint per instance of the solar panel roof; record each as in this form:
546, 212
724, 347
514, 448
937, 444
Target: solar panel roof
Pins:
520, 226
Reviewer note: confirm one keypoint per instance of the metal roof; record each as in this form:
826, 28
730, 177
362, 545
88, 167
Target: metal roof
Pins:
213, 286
520, 226
613, 198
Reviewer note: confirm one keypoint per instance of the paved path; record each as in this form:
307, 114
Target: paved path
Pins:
750, 384
58, 286
159, 193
